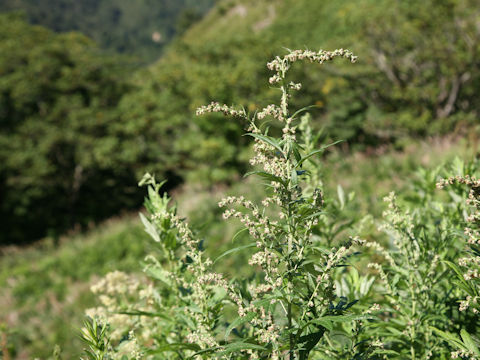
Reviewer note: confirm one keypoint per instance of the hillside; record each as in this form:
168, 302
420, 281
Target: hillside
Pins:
418, 85
421, 84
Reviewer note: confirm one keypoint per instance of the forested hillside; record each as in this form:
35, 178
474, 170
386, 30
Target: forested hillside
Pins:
58, 144
417, 75
139, 28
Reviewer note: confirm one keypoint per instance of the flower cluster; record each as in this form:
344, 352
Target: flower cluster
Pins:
271, 110
464, 354
471, 263
296, 266
410, 273
286, 244
116, 292
224, 109
281, 65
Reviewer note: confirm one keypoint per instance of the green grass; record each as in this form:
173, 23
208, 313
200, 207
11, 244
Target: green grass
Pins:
45, 288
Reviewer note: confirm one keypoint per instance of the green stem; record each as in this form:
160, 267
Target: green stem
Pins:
412, 329
289, 328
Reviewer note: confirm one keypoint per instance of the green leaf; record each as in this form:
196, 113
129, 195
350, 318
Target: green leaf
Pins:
235, 250
294, 178
267, 176
460, 277
468, 341
310, 341
234, 347
326, 323
296, 154
204, 351
343, 318
144, 313
173, 347
238, 233
150, 228
315, 214
237, 322
303, 109
308, 156
452, 339
269, 140
159, 274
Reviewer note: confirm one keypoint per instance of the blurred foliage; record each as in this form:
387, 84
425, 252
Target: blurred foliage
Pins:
141, 28
421, 68
60, 155
81, 127
416, 74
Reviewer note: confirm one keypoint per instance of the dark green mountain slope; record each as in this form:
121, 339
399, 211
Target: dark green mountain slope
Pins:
141, 27
59, 153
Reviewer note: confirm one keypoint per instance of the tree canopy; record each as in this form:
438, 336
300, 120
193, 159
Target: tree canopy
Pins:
59, 153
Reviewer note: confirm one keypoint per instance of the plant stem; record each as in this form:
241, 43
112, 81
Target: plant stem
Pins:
290, 327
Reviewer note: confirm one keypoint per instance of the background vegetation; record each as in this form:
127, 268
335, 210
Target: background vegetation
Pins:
82, 118
139, 28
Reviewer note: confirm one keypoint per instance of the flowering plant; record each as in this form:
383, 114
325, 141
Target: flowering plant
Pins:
290, 309
304, 299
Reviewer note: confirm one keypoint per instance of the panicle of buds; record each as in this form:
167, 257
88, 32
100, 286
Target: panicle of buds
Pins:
224, 109
280, 65
271, 110
470, 264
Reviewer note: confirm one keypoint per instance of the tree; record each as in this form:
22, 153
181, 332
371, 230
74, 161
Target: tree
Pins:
60, 154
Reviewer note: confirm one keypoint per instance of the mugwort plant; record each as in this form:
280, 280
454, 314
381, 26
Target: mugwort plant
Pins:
290, 309
313, 293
